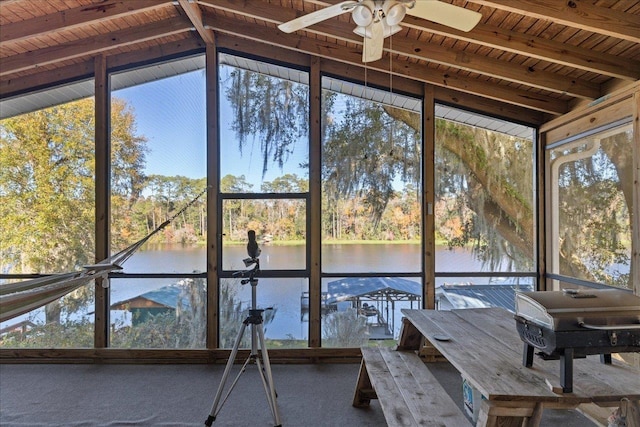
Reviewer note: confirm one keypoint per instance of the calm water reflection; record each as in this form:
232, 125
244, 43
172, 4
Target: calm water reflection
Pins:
338, 258
283, 294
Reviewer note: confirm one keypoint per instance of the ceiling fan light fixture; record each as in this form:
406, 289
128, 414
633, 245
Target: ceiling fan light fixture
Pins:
366, 31
394, 12
378, 19
362, 14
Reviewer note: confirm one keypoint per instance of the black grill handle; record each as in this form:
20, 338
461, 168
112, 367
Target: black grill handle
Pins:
611, 327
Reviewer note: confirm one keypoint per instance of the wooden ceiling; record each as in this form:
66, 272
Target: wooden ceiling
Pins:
540, 57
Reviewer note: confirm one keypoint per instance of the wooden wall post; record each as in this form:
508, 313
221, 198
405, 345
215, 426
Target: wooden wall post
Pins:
214, 237
315, 203
428, 198
102, 195
542, 210
635, 214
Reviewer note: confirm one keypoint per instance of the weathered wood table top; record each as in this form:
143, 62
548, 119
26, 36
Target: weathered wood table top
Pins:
484, 346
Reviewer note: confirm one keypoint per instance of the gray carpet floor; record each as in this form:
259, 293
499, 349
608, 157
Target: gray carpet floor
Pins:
181, 395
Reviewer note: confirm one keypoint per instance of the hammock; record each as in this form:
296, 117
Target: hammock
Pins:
22, 297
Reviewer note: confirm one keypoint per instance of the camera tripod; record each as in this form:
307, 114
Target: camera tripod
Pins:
261, 359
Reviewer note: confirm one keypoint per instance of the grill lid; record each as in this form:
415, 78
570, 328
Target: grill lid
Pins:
547, 308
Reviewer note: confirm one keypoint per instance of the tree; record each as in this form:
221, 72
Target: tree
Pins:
234, 210
288, 183
128, 154
365, 151
47, 187
492, 175
273, 110
167, 194
495, 171
594, 192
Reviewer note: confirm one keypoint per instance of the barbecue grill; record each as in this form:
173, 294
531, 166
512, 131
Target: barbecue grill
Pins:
576, 323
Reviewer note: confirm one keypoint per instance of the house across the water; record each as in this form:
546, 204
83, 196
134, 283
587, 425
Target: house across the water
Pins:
159, 301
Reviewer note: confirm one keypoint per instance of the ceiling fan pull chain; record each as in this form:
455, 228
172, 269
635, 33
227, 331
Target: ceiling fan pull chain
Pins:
365, 96
391, 128
365, 73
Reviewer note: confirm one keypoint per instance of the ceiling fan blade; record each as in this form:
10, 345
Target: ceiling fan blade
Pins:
372, 49
317, 16
446, 14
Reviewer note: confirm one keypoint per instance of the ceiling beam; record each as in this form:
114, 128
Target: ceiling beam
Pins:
525, 75
536, 47
527, 45
195, 16
44, 79
68, 19
432, 53
92, 45
17, 86
351, 55
575, 13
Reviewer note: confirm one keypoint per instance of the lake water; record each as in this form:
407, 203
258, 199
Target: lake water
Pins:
337, 258
285, 294
282, 294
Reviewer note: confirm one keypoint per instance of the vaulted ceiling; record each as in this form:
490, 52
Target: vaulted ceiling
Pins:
539, 57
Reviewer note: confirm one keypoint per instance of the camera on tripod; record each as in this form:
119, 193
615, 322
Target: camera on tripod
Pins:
261, 358
254, 252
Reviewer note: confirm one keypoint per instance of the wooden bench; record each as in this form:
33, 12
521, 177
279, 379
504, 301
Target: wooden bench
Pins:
408, 392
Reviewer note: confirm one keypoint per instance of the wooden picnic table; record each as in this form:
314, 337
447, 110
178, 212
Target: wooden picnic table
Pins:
484, 346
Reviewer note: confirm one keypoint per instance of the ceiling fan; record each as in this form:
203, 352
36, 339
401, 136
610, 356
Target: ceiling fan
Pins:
378, 19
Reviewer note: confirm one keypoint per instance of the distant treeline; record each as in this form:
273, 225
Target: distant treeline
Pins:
279, 219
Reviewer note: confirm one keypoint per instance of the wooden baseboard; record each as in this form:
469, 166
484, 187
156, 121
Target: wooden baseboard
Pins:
109, 355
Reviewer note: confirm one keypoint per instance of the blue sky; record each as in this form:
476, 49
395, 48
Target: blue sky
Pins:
171, 114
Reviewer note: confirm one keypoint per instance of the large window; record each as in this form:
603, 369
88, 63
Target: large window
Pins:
371, 211
371, 250
590, 181
47, 218
158, 168
484, 211
264, 185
